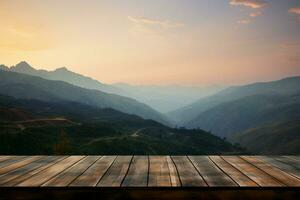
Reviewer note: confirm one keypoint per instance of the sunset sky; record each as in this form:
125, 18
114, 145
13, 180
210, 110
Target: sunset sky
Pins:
185, 42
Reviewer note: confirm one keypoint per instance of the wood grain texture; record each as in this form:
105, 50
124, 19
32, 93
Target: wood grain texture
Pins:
23, 171
294, 157
159, 174
149, 171
278, 174
19, 164
11, 160
33, 168
67, 176
45, 175
281, 165
257, 175
235, 174
137, 175
289, 161
94, 173
116, 173
212, 175
189, 176
4, 158
174, 177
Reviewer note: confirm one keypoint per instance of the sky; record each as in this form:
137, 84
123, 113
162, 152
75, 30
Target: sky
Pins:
157, 42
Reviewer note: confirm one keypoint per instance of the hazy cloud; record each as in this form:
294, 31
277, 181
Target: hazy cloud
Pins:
255, 14
244, 21
253, 4
249, 3
295, 10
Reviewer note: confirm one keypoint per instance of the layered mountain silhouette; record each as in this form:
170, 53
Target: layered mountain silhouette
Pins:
242, 114
184, 116
161, 98
248, 112
250, 115
167, 98
32, 87
63, 74
38, 127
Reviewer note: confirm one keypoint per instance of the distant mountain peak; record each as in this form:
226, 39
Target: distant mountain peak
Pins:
23, 66
3, 67
23, 63
62, 69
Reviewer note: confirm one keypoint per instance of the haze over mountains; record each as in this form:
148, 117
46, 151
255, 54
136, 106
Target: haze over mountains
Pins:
42, 116
161, 98
30, 126
185, 115
242, 114
245, 113
168, 98
31, 87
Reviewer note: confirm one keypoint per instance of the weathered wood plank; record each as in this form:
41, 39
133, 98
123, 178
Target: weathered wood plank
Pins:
47, 174
212, 175
151, 171
281, 165
21, 170
67, 176
257, 175
234, 173
116, 173
159, 175
294, 157
4, 158
137, 175
94, 173
288, 161
11, 160
174, 177
188, 174
31, 169
278, 174
19, 164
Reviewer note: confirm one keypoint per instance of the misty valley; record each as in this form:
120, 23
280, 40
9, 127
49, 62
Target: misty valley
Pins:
151, 100
62, 112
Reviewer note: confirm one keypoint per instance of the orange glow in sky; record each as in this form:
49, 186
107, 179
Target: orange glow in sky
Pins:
155, 42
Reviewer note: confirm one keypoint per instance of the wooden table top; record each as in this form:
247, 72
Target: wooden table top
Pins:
149, 171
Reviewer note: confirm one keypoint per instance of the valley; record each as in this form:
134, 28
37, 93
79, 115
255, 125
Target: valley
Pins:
38, 107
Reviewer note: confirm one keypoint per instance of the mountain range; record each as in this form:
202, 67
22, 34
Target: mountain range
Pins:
32, 87
264, 111
262, 117
161, 98
184, 116
168, 98
66, 127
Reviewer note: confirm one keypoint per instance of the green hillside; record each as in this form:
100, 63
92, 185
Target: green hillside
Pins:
276, 138
31, 87
92, 130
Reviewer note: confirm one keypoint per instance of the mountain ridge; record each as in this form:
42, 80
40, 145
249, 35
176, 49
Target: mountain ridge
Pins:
25, 86
64, 74
283, 86
161, 98
94, 131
